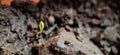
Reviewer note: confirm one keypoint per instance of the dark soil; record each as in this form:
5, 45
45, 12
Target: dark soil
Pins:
98, 20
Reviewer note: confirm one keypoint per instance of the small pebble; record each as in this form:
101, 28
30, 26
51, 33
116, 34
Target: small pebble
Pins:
95, 21
51, 19
70, 22
114, 49
68, 28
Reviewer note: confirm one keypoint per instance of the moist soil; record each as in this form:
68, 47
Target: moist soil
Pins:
98, 21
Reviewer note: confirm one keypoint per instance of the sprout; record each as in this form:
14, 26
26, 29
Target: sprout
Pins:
41, 26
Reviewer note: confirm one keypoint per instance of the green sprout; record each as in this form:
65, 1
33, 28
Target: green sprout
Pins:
41, 26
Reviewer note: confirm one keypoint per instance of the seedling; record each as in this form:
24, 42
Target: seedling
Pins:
41, 27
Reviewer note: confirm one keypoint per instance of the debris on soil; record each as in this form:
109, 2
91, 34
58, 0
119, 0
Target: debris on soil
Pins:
111, 34
71, 27
66, 43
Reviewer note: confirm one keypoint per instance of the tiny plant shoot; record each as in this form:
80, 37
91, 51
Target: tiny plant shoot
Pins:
41, 27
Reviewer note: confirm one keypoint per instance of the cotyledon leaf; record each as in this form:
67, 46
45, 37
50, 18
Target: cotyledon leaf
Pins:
41, 26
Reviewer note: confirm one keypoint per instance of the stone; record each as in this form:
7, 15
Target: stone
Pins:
51, 19
66, 43
111, 34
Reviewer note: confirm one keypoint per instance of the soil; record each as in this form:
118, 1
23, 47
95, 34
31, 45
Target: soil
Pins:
71, 27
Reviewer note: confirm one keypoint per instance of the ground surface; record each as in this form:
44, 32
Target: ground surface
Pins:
72, 27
